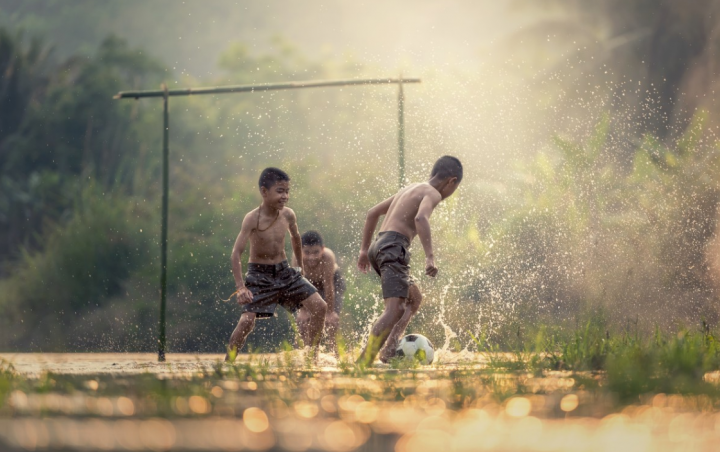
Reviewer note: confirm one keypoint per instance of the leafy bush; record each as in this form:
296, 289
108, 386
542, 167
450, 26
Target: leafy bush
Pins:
84, 262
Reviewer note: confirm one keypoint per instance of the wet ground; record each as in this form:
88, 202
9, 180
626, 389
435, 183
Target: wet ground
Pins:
176, 364
286, 402
181, 364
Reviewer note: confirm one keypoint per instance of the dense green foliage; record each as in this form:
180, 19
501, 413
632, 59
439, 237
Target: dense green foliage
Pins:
65, 130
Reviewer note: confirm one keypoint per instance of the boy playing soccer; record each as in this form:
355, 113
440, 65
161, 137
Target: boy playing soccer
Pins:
270, 280
322, 270
407, 213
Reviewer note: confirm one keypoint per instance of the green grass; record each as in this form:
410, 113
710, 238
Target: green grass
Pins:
628, 362
623, 368
7, 375
602, 372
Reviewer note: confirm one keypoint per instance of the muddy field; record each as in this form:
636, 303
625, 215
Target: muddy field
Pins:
179, 365
286, 402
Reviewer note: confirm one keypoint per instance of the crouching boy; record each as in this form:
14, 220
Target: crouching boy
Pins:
322, 270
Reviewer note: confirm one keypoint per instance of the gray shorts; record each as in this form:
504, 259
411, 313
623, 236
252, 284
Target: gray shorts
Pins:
390, 258
273, 284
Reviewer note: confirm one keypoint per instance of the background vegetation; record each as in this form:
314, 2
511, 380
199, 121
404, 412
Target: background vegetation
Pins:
590, 186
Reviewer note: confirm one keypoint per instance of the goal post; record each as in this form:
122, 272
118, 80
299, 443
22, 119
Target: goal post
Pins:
166, 93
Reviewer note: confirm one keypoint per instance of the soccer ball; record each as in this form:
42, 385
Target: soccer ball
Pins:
416, 346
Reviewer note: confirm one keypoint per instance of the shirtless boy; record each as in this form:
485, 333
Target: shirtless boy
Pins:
407, 214
270, 280
322, 271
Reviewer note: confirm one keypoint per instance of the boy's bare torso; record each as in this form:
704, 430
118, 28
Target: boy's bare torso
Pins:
267, 246
400, 216
316, 273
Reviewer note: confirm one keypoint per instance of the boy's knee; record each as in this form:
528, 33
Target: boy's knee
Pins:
393, 315
414, 292
322, 306
414, 298
315, 305
248, 318
302, 315
415, 305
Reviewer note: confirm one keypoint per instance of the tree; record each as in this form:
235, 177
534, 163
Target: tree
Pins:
59, 124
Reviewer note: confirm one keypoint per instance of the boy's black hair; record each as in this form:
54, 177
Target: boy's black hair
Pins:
311, 238
447, 166
271, 176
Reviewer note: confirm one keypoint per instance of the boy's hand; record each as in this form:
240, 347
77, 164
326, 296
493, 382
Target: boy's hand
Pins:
430, 268
363, 263
244, 296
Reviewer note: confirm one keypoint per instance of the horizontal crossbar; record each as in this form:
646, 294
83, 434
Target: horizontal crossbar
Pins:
262, 87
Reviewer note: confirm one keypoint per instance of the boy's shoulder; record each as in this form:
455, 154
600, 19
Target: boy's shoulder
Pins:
252, 215
288, 213
422, 187
412, 187
329, 254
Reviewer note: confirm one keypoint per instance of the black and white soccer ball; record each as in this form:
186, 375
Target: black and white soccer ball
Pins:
416, 346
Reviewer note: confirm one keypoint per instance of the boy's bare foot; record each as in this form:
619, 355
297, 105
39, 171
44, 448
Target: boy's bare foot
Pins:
386, 355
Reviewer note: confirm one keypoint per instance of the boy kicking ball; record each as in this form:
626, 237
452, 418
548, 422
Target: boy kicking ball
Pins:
407, 214
270, 280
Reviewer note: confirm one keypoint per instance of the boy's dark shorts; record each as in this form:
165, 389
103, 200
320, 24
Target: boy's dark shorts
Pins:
273, 284
339, 283
390, 258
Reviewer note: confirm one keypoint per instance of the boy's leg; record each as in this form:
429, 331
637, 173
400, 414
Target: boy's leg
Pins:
411, 308
316, 309
394, 310
301, 320
243, 328
332, 323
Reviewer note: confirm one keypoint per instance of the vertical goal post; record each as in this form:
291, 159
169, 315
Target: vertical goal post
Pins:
166, 93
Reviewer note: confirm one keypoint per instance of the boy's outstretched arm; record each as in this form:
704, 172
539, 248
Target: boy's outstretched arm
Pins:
422, 226
295, 240
371, 219
244, 296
